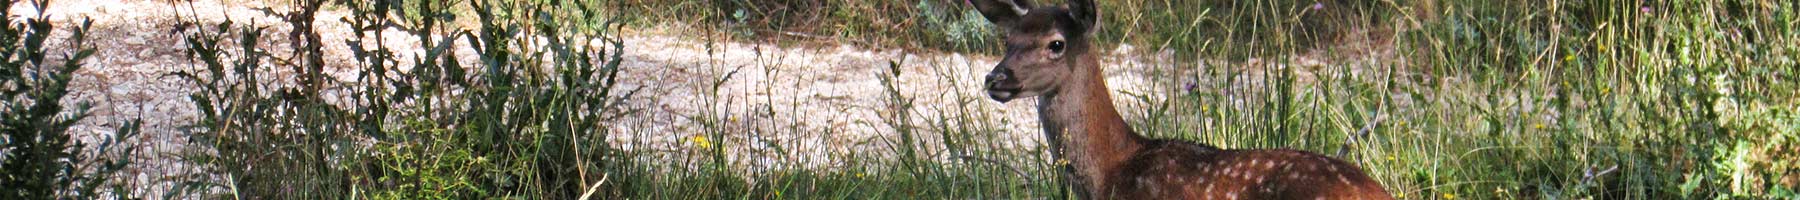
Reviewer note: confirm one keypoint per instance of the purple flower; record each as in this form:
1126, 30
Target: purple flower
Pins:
1318, 6
1190, 86
1646, 9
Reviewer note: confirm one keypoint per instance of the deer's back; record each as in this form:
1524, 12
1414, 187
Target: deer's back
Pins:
1168, 169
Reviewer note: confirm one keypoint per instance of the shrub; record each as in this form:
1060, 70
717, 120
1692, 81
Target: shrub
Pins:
38, 159
519, 122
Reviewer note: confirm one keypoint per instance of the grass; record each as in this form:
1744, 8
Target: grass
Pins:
1615, 100
1462, 99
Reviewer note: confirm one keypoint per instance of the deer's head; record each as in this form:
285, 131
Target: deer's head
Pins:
1044, 45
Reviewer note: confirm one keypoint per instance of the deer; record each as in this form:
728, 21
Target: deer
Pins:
1048, 55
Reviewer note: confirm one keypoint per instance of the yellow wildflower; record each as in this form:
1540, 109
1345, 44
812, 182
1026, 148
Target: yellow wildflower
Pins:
700, 141
1538, 126
1390, 158
1060, 161
1449, 196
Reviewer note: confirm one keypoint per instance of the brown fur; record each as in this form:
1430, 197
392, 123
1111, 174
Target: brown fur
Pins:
1106, 159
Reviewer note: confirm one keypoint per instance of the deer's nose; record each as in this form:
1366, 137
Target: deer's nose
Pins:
999, 74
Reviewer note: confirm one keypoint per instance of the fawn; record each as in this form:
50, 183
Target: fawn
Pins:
1048, 56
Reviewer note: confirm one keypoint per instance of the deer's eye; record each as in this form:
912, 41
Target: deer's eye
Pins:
1056, 46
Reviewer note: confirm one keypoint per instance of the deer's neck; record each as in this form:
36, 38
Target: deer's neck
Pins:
1085, 129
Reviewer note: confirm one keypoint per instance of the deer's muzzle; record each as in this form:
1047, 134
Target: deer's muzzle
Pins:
1001, 85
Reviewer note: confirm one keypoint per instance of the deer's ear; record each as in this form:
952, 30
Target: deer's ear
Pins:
1085, 16
1002, 12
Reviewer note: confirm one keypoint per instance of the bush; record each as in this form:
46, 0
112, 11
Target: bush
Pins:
38, 159
519, 123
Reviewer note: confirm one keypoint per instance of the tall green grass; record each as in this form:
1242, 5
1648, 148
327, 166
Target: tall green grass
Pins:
1688, 99
519, 123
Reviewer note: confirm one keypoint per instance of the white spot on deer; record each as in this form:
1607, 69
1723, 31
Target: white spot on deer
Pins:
1341, 178
1231, 195
1333, 169
1209, 189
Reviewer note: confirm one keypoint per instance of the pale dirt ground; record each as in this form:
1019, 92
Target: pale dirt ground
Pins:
817, 102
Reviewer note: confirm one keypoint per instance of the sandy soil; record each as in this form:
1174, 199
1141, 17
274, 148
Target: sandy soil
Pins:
819, 101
